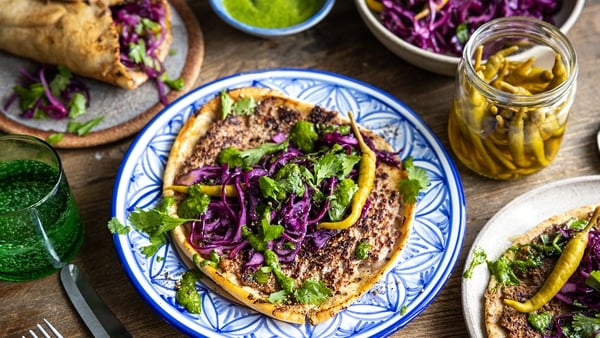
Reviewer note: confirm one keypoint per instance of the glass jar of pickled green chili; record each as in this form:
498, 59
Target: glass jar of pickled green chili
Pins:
514, 91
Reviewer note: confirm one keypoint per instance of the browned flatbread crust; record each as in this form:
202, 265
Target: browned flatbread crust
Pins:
79, 35
493, 296
390, 240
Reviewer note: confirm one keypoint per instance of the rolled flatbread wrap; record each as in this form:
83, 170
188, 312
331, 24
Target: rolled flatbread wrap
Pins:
80, 35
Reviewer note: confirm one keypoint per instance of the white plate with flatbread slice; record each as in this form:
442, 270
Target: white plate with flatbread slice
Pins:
512, 221
423, 267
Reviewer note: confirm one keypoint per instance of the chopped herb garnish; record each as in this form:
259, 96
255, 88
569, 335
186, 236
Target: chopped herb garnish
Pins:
186, 294
83, 128
539, 321
362, 250
312, 292
55, 138
243, 106
156, 223
479, 257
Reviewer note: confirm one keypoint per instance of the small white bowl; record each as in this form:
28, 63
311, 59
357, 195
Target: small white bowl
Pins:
439, 63
219, 8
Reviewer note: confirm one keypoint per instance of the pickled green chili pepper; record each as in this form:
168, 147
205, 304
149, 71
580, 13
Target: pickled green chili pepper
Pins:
536, 143
495, 61
366, 180
504, 141
559, 71
567, 264
210, 190
516, 138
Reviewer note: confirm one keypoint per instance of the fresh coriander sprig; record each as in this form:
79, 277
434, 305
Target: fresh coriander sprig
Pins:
416, 181
156, 223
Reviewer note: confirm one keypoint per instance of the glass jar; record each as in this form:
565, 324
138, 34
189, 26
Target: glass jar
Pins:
514, 91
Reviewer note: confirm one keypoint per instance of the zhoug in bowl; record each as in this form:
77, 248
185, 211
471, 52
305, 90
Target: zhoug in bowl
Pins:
272, 18
444, 64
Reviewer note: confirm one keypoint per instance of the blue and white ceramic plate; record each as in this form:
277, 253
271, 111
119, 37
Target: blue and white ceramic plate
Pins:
422, 270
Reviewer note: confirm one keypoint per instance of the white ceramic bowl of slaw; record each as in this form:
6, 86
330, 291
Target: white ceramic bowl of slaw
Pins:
438, 63
219, 8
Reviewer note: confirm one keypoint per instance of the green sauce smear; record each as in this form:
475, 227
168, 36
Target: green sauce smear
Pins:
272, 13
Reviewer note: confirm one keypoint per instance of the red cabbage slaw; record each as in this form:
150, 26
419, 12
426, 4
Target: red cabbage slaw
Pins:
444, 26
142, 29
576, 292
220, 227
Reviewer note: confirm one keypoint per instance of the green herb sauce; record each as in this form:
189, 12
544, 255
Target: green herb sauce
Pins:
186, 294
23, 253
272, 13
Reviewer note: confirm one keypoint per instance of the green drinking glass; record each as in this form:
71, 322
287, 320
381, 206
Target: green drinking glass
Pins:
40, 225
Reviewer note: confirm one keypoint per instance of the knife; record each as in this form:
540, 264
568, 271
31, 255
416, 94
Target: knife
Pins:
97, 316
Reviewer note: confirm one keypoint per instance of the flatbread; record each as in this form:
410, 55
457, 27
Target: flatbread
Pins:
79, 35
494, 295
386, 224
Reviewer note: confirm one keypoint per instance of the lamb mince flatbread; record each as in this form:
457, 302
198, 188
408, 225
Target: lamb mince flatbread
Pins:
325, 260
542, 242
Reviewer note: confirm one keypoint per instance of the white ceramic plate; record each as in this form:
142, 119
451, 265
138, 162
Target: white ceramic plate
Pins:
514, 219
425, 263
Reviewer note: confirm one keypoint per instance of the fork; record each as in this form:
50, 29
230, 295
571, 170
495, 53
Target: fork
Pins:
43, 331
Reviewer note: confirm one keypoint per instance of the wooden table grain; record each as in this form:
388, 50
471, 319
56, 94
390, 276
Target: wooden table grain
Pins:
340, 44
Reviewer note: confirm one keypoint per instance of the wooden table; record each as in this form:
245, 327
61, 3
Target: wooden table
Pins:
340, 44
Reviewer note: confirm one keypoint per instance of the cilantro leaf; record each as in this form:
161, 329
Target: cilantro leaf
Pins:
243, 106
334, 164
55, 138
593, 280
226, 104
249, 157
343, 193
83, 128
138, 54
116, 227
193, 205
60, 82
29, 96
585, 325
479, 257
327, 166
271, 188
278, 297
503, 271
77, 105
416, 181
265, 232
176, 84
313, 292
156, 223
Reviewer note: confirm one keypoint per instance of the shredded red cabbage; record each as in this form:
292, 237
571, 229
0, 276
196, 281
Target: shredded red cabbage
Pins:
54, 106
220, 228
129, 19
443, 26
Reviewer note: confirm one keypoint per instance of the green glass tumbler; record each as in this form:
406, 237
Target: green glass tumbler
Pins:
40, 224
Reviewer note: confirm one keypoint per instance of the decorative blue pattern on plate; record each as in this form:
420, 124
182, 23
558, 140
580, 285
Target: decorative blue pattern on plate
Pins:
425, 263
